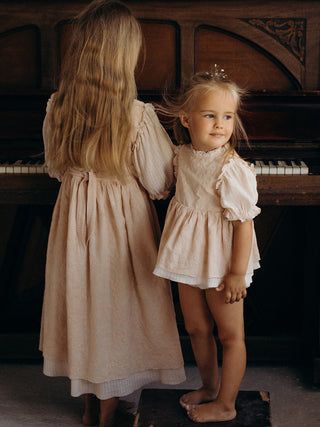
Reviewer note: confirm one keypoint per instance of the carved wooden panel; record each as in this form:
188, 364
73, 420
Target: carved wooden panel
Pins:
20, 58
289, 32
243, 61
63, 35
159, 66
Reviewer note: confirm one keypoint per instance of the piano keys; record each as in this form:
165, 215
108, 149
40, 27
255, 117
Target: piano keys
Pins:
261, 167
33, 165
279, 167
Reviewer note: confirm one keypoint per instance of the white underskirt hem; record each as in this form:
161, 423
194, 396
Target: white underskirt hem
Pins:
114, 388
202, 283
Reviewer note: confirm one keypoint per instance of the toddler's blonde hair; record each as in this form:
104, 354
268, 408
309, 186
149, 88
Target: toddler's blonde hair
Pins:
200, 83
92, 110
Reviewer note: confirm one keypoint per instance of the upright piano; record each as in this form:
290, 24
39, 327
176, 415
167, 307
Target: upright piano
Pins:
284, 147
272, 52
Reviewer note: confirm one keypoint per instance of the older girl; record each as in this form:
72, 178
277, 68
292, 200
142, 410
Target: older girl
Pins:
108, 323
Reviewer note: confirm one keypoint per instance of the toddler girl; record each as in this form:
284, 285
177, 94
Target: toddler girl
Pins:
208, 244
108, 323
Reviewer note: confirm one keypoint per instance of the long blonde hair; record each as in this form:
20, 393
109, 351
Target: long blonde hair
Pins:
198, 84
92, 110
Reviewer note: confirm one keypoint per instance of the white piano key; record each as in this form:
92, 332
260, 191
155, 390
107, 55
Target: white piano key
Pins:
25, 168
288, 167
272, 168
9, 166
17, 166
265, 169
2, 166
295, 168
40, 168
287, 170
258, 167
280, 167
32, 167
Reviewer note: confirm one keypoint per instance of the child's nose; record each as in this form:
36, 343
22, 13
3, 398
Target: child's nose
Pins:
218, 123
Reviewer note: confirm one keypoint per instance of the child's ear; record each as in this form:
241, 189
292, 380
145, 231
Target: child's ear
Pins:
184, 119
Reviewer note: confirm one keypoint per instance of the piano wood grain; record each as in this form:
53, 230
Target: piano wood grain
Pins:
24, 189
296, 190
274, 190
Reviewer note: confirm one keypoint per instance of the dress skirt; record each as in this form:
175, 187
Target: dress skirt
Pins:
108, 323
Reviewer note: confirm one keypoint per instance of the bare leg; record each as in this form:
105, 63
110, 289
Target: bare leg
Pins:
199, 324
91, 412
107, 412
229, 319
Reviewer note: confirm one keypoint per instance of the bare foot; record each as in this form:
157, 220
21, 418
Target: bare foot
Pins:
194, 398
211, 412
91, 412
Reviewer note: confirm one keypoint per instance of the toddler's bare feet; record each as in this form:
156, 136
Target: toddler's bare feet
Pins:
91, 413
194, 398
211, 412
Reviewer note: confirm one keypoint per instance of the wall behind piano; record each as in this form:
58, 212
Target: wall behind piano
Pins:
265, 46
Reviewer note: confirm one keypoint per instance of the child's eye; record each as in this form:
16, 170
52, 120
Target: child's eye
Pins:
227, 117
209, 116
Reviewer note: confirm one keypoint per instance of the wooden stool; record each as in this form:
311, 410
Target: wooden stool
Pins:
160, 408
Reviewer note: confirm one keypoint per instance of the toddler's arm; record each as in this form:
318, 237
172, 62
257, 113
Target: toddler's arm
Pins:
234, 284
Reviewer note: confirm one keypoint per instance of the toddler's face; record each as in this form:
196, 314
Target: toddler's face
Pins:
211, 119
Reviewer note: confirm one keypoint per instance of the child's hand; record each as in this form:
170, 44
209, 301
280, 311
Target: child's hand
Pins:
234, 286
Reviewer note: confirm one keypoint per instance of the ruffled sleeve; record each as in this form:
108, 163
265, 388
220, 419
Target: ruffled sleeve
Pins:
153, 153
237, 187
46, 133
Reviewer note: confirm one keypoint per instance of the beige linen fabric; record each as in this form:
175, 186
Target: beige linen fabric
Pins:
211, 192
108, 323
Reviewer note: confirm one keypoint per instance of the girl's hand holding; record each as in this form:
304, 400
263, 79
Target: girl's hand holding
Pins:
234, 286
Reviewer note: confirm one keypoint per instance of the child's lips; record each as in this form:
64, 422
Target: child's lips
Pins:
217, 135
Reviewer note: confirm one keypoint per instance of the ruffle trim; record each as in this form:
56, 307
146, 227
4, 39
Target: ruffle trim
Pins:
202, 283
119, 388
159, 196
238, 215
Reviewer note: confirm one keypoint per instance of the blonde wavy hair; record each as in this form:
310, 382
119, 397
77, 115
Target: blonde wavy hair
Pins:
91, 112
201, 83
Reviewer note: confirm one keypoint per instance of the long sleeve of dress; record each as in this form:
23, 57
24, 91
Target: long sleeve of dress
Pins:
237, 186
153, 154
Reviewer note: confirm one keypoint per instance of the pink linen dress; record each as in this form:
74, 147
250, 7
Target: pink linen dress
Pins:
211, 191
108, 323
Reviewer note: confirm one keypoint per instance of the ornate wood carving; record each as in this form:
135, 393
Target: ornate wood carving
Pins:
289, 32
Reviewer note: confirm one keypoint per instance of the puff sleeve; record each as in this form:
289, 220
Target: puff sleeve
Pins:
46, 133
237, 187
153, 154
